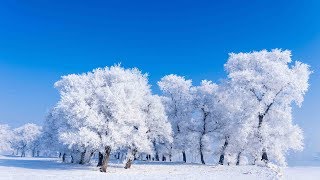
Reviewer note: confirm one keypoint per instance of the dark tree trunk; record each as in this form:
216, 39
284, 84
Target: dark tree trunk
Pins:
260, 121
157, 156
238, 158
170, 153
105, 160
82, 157
184, 156
164, 158
201, 157
221, 159
72, 160
204, 130
264, 156
59, 155
100, 158
64, 157
201, 150
118, 155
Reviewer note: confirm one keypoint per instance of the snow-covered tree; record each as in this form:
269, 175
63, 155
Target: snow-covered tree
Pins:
25, 137
160, 131
270, 82
178, 101
76, 116
238, 124
205, 117
5, 137
51, 142
106, 110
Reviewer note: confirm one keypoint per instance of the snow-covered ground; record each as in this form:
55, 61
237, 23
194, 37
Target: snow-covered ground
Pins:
16, 168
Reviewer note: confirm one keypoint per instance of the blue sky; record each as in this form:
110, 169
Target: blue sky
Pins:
42, 40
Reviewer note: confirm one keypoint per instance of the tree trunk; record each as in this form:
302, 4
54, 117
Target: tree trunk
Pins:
105, 160
130, 159
64, 157
157, 156
221, 159
164, 158
202, 159
238, 158
170, 153
72, 159
201, 149
184, 156
100, 159
82, 157
204, 130
128, 164
264, 156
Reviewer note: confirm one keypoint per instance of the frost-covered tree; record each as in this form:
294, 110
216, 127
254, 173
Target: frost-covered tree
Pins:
178, 101
205, 117
238, 124
51, 142
76, 116
106, 110
5, 137
159, 128
25, 137
270, 82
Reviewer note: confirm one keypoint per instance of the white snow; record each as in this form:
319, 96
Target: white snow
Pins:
50, 168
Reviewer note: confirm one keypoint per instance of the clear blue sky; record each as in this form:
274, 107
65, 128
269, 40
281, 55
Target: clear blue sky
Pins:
40, 40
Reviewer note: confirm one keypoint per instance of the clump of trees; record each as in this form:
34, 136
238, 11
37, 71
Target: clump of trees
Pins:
21, 140
5, 136
244, 119
108, 110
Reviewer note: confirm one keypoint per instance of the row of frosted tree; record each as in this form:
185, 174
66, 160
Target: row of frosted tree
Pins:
22, 141
244, 119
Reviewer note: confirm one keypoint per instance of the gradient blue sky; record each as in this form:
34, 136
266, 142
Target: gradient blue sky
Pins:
40, 40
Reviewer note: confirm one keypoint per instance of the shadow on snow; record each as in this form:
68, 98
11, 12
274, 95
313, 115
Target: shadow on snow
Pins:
37, 163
